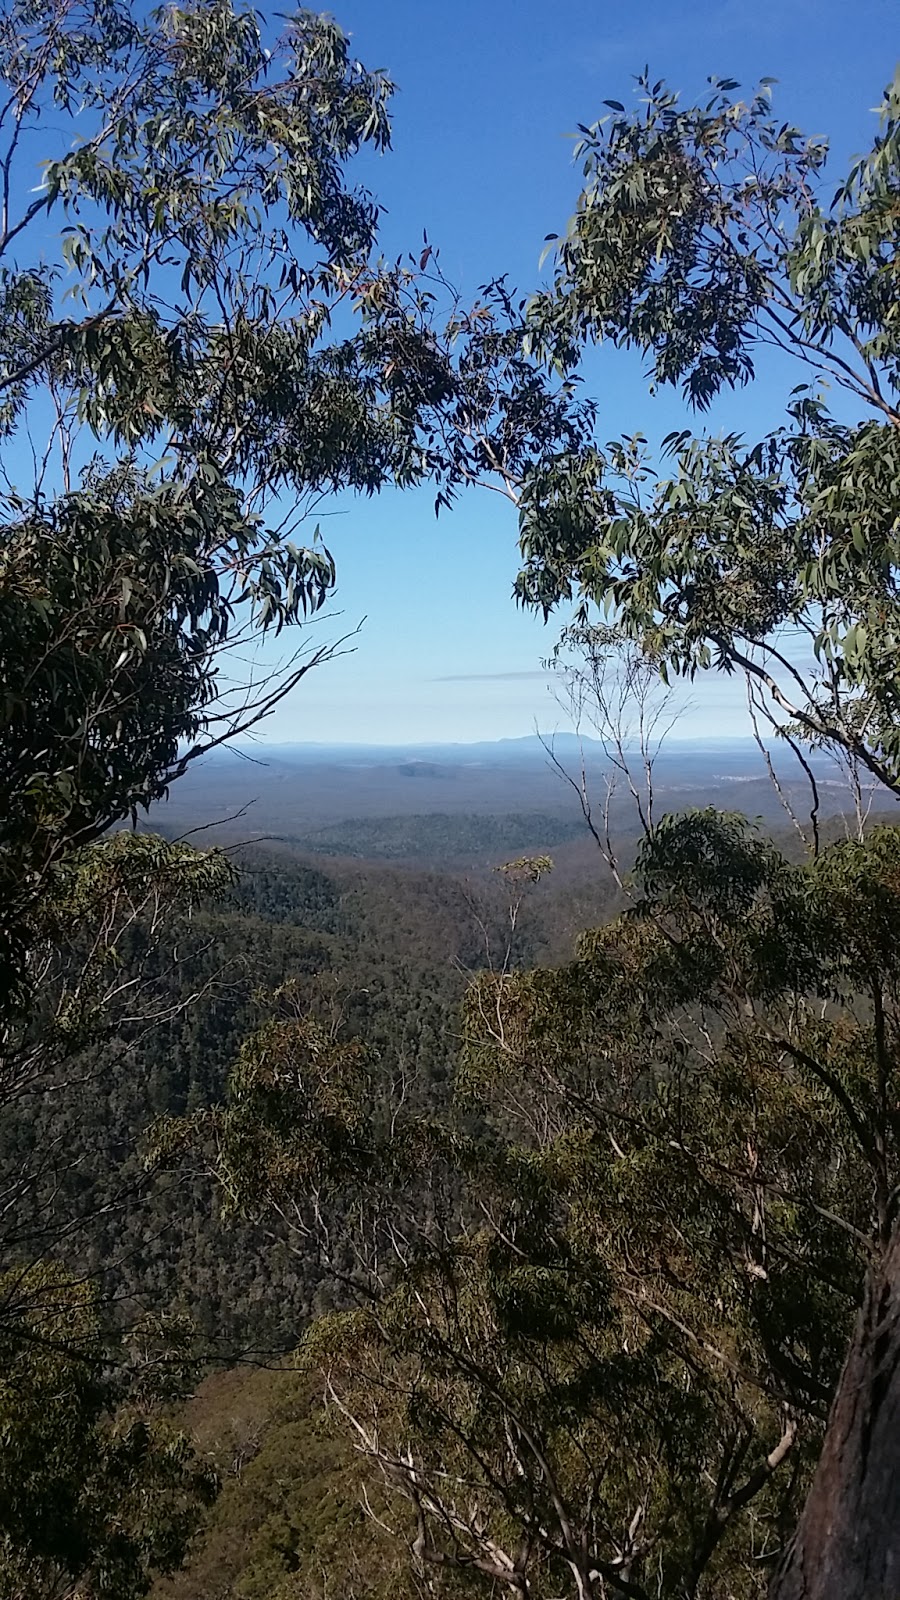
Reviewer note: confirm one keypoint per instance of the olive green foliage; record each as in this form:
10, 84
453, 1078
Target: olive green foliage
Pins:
704, 236
94, 993
440, 835
290, 1520
91, 1503
600, 1302
378, 953
96, 1494
158, 965
602, 1311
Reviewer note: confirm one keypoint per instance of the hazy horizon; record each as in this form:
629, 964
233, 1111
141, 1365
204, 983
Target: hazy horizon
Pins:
560, 735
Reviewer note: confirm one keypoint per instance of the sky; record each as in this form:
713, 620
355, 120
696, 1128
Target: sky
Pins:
489, 95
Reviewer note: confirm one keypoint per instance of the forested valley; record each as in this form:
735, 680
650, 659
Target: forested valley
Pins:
374, 954
484, 1199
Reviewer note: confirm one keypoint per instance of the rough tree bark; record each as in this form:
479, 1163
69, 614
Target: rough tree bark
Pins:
847, 1543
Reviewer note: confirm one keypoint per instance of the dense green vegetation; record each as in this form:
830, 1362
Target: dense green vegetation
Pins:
595, 1259
383, 954
285, 923
439, 836
290, 1518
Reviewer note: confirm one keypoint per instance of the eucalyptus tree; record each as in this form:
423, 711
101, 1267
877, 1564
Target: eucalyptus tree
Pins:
198, 344
99, 1491
705, 238
165, 385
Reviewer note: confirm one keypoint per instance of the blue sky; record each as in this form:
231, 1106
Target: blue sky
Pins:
488, 93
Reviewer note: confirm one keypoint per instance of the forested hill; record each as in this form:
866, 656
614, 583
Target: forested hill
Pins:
380, 953
381, 950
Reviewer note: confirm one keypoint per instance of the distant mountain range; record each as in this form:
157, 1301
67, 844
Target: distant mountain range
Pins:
528, 747
306, 792
479, 749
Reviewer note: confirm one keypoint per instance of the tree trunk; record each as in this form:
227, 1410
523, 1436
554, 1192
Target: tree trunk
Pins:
847, 1543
